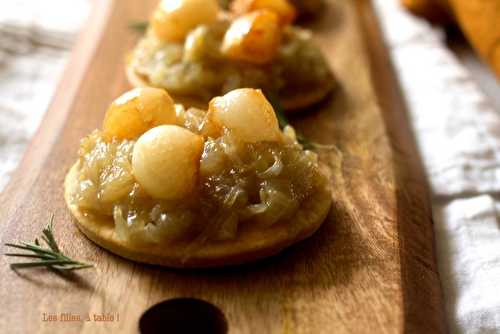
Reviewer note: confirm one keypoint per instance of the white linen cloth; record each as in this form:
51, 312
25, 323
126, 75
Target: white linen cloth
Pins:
458, 134
35, 37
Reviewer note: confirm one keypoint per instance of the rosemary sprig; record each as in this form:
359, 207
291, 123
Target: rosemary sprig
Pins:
50, 257
283, 122
139, 26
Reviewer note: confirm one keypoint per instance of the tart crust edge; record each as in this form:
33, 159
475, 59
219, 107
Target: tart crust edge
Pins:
292, 104
250, 245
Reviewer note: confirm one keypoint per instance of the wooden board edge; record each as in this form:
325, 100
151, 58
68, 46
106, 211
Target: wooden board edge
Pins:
423, 308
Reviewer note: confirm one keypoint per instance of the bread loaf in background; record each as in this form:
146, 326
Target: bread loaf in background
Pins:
478, 19
430, 9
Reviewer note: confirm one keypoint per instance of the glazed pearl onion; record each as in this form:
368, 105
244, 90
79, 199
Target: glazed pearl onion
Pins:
247, 114
165, 161
283, 8
253, 37
173, 19
137, 111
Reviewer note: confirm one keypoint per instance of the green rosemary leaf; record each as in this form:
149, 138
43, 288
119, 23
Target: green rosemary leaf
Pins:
36, 256
49, 236
283, 122
139, 26
51, 257
278, 110
35, 248
43, 263
31, 248
75, 267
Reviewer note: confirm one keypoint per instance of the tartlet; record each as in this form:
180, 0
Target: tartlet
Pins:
215, 52
190, 188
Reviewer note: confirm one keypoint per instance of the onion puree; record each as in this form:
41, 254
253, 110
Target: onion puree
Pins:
238, 183
196, 67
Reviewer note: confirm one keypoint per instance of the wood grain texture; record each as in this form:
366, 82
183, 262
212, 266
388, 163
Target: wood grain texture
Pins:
370, 268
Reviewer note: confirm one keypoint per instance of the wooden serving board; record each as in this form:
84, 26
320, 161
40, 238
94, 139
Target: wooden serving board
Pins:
370, 269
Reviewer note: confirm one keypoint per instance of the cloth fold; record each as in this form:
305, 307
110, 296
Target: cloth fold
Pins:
52, 23
35, 37
469, 234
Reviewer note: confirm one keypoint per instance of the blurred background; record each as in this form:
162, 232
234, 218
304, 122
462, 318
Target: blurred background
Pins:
445, 53
35, 42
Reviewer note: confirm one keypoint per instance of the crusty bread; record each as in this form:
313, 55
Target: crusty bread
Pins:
433, 10
477, 19
252, 243
291, 103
